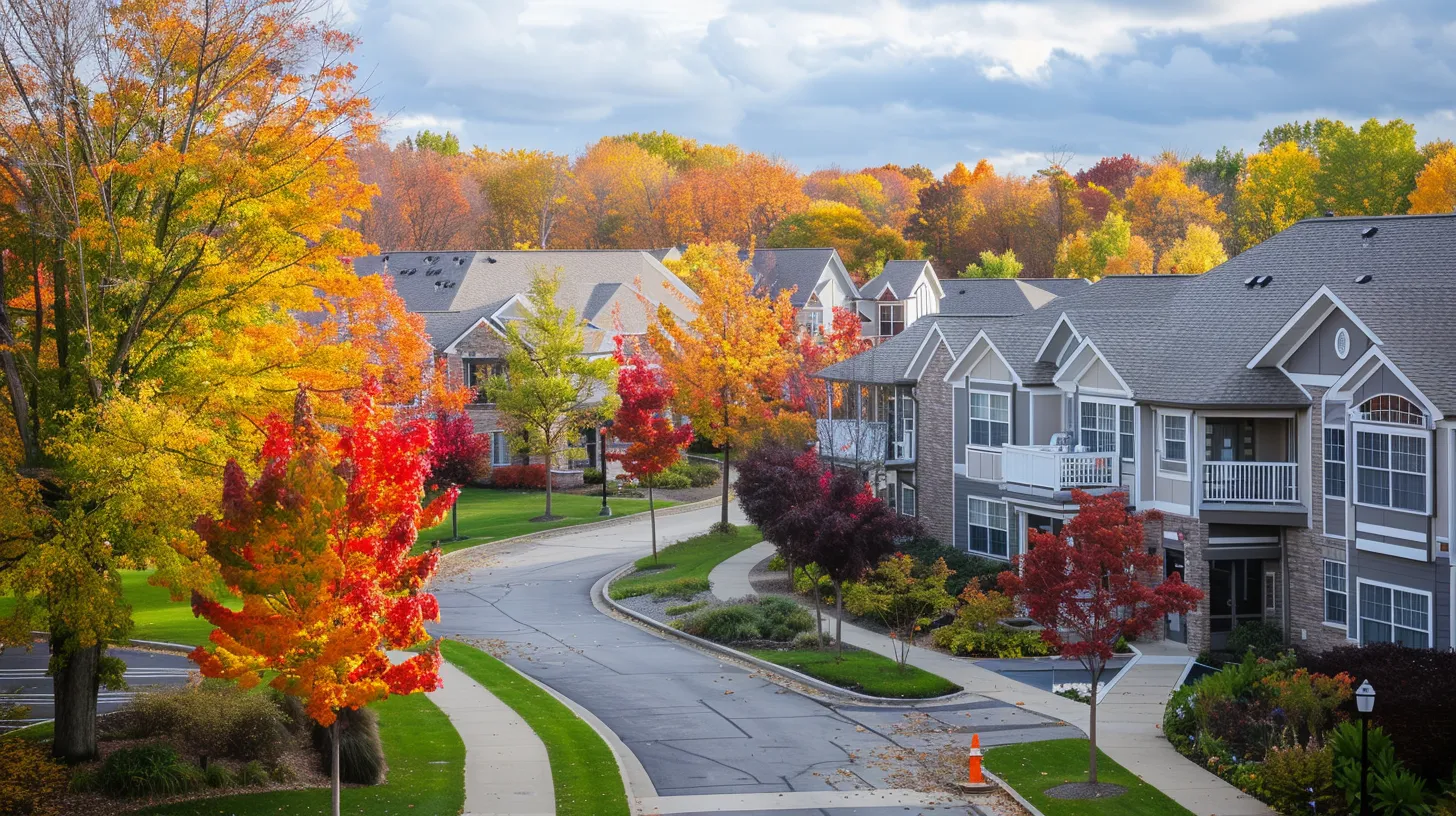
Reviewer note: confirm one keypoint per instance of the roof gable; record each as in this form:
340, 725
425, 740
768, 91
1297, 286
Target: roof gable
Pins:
1304, 323
1088, 369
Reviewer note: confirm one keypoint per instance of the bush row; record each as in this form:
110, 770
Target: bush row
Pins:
518, 477
774, 619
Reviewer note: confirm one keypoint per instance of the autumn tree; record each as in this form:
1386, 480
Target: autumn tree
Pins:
774, 482
739, 200
728, 364
1370, 171
1218, 176
421, 200
317, 549
1435, 190
444, 144
1276, 189
1113, 173
864, 247
992, 265
1199, 250
616, 198
905, 596
458, 456
1137, 260
177, 216
550, 389
524, 193
1089, 585
1305, 135
1161, 205
644, 422
1097, 202
840, 340
1087, 254
943, 216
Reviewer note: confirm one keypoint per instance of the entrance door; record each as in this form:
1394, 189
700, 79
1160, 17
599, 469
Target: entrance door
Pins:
1235, 595
1177, 624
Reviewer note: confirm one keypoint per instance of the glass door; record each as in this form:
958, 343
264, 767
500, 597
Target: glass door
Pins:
1177, 622
1235, 595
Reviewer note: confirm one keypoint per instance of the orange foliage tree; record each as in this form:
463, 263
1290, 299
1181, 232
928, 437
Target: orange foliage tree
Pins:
318, 549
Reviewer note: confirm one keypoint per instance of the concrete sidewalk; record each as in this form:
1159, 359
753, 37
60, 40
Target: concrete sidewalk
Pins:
1130, 716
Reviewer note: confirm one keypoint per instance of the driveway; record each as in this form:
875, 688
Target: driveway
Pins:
698, 725
23, 680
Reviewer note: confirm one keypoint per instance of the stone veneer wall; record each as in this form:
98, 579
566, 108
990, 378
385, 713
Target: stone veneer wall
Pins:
483, 342
934, 469
1195, 539
1306, 549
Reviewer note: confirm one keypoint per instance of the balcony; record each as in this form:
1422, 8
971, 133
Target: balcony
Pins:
1051, 468
852, 440
1250, 483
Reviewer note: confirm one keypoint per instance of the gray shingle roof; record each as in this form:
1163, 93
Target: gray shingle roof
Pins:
884, 363
897, 276
997, 296
781, 270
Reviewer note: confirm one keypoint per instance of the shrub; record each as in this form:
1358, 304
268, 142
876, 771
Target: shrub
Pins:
669, 480
680, 588
683, 609
254, 774
1394, 789
210, 720
361, 756
218, 776
30, 782
1417, 698
776, 619
808, 640
591, 476
282, 774
777, 564
698, 475
148, 770
1293, 778
1263, 639
965, 566
804, 582
1002, 643
518, 477
724, 528
1305, 705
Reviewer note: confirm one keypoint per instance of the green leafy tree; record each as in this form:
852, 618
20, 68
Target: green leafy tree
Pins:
863, 246
1304, 134
905, 596
1276, 189
1085, 254
446, 144
1370, 171
992, 265
550, 389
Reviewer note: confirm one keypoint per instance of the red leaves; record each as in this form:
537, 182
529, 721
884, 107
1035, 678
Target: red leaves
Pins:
458, 455
643, 419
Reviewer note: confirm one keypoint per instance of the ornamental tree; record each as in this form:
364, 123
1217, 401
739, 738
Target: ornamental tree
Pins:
840, 340
458, 456
643, 421
905, 596
773, 481
1088, 586
317, 547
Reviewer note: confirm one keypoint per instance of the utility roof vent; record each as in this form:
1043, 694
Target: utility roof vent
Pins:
1329, 213
1264, 281
1369, 232
1249, 282
437, 271
1364, 278
384, 257
961, 292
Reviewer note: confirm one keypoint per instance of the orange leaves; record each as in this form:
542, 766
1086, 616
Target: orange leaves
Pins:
317, 547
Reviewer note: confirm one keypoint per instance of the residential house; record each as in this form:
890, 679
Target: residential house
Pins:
901, 294
469, 298
816, 279
1291, 414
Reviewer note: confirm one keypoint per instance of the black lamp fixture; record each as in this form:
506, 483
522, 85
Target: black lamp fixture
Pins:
602, 443
1365, 703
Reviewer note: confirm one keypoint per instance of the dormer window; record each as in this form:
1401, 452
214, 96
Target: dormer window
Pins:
892, 319
814, 321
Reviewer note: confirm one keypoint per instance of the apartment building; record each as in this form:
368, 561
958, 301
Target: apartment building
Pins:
1291, 414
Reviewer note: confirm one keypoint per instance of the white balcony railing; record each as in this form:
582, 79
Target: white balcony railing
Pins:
853, 440
1252, 482
903, 448
1055, 469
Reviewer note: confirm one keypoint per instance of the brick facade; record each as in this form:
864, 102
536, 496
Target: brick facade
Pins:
1194, 535
1306, 550
934, 469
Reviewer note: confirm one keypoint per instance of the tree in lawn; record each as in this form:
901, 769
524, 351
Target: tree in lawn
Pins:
644, 422
729, 363
1089, 585
773, 481
550, 389
317, 547
458, 457
905, 596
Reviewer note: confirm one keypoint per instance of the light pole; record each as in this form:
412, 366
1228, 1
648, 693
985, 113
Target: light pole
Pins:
1365, 702
606, 426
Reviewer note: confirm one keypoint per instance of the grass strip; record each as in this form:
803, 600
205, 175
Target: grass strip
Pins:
426, 773
861, 671
1032, 767
153, 613
583, 769
683, 567
488, 515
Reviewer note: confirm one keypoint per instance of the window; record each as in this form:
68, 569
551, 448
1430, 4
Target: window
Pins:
1336, 599
1390, 470
988, 527
1175, 438
814, 321
1126, 437
990, 419
907, 500
1335, 462
1392, 409
1391, 615
500, 452
892, 319
1099, 427
1342, 344
479, 372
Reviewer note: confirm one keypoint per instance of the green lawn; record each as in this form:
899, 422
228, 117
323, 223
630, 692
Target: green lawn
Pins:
583, 768
489, 515
426, 773
154, 614
861, 671
684, 566
1032, 767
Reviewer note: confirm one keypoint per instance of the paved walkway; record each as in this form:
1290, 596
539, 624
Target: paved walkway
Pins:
1130, 716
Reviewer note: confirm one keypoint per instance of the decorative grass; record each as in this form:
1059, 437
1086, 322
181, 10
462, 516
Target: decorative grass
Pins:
583, 769
488, 515
861, 671
683, 567
1032, 767
426, 773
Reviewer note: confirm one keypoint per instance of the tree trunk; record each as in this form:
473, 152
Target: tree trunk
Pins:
839, 619
547, 517
727, 454
652, 515
75, 685
813, 590
455, 519
62, 309
1092, 729
335, 764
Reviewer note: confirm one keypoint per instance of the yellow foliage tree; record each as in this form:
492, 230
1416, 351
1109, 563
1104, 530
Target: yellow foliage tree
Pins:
1435, 190
1276, 189
1198, 251
1162, 204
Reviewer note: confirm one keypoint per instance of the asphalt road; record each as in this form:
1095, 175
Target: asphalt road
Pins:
23, 680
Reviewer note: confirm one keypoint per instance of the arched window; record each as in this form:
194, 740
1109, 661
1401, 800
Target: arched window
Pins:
1393, 409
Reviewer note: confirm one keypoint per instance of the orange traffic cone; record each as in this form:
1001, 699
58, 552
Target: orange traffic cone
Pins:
976, 780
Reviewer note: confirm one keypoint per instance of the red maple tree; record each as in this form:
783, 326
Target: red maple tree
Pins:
458, 456
1088, 586
841, 339
644, 422
317, 547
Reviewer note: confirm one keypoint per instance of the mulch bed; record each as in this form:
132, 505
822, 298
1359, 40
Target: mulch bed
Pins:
1085, 790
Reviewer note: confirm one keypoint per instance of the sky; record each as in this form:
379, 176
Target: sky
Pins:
854, 83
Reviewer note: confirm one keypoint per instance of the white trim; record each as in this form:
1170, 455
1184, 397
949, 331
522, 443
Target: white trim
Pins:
1171, 535
1345, 389
1085, 345
1242, 540
1430, 607
960, 364
1394, 550
1391, 532
1170, 507
1045, 344
917, 366
1352, 486
1189, 428
1335, 303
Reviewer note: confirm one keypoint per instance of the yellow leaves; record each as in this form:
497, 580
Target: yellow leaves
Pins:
1162, 204
1276, 189
1435, 190
1198, 251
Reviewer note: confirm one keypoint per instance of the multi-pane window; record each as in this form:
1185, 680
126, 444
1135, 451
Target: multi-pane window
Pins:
1336, 597
814, 321
1390, 615
1335, 462
1175, 438
1393, 409
990, 419
1390, 470
892, 319
500, 452
1126, 436
907, 500
1099, 427
478, 374
988, 527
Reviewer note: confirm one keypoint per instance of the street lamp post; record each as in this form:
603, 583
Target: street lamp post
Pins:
1365, 702
606, 426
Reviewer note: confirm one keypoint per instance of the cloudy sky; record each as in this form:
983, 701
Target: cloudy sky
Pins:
861, 82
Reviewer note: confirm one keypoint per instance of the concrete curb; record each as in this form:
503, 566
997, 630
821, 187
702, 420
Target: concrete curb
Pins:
1013, 793
155, 645
599, 591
